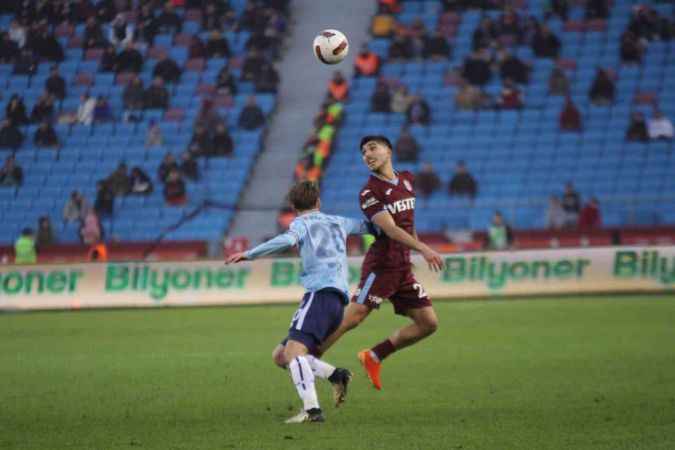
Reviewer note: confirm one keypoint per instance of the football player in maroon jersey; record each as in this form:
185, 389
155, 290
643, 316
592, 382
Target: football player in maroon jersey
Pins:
388, 201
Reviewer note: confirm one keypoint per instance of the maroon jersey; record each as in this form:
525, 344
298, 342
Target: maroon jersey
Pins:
397, 198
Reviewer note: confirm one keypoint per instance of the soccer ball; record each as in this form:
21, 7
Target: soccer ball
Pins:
331, 46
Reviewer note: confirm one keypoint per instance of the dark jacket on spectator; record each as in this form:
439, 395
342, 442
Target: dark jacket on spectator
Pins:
156, 97
463, 184
10, 136
46, 137
419, 112
104, 200
251, 117
515, 69
436, 45
476, 71
401, 48
406, 148
56, 86
133, 95
602, 90
129, 60
381, 99
545, 44
426, 182
167, 70
222, 143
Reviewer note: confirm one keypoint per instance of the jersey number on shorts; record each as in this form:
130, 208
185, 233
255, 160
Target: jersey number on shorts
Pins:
324, 249
421, 293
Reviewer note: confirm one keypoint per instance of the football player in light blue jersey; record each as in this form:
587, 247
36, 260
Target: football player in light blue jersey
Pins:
322, 241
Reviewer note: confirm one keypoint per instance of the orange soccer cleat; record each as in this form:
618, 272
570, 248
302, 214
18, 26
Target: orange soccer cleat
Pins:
372, 368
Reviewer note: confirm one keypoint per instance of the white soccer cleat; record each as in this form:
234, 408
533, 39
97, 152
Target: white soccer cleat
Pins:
306, 417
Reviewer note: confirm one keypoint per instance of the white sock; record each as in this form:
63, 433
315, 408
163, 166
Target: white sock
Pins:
320, 368
303, 378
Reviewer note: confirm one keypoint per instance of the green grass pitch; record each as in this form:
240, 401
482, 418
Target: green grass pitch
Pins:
567, 373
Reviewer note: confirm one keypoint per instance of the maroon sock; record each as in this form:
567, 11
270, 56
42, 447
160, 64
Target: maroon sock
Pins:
383, 349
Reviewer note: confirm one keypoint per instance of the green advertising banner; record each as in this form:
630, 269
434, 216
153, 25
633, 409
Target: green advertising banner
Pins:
469, 275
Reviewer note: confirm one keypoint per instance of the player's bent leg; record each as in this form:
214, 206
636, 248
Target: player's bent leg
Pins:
303, 378
425, 323
355, 313
279, 356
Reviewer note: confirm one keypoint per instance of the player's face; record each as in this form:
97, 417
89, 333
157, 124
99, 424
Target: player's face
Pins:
375, 155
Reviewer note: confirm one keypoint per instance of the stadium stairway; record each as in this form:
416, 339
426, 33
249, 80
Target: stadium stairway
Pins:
303, 86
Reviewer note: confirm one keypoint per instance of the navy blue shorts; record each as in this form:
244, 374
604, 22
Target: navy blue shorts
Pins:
318, 316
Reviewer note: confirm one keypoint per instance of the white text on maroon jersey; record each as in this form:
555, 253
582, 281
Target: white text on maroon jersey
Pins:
401, 205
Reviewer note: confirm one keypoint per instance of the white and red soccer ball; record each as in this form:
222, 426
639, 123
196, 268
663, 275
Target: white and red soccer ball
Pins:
330, 46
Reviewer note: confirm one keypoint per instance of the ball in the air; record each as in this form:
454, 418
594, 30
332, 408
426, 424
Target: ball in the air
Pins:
331, 46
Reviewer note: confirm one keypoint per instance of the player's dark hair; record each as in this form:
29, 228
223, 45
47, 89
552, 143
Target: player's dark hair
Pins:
380, 139
304, 195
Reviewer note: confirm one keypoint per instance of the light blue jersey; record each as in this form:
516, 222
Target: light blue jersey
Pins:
322, 240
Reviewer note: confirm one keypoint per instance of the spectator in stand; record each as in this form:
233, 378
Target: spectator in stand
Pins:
10, 135
139, 182
427, 181
175, 193
104, 200
400, 101
9, 51
85, 112
225, 82
93, 35
631, 49
222, 142
510, 97
76, 208
660, 127
197, 49
367, 63
469, 97
418, 111
212, 16
382, 25
133, 96
401, 48
121, 32
436, 46
602, 91
406, 148
560, 8
558, 84
102, 112
167, 69
45, 46
499, 234
338, 87
17, 33
55, 85
118, 181
129, 59
168, 164
545, 44
90, 233
251, 117
570, 117
555, 215
267, 80
485, 35
208, 117
26, 63
637, 129
509, 25
45, 136
571, 204
251, 65
153, 137
108, 61
381, 99
43, 108
168, 22
217, 46
597, 9
24, 248
590, 216
189, 167
389, 6
511, 67
201, 143
11, 174
156, 96
462, 182
15, 111
476, 69
45, 234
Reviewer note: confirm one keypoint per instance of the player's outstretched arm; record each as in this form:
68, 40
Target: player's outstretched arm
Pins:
274, 245
388, 226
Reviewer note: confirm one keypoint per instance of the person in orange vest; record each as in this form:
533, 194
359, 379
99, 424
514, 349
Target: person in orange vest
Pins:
338, 87
98, 252
367, 63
